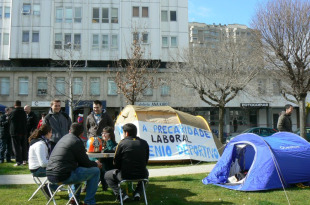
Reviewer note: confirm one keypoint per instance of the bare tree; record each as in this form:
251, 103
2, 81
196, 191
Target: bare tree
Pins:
69, 59
284, 26
219, 73
136, 73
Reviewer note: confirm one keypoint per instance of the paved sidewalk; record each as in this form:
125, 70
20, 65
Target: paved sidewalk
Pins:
192, 169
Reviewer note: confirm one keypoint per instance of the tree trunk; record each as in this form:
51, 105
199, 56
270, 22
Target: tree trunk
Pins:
221, 124
302, 117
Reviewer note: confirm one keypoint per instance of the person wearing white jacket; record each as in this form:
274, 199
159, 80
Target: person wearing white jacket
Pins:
39, 150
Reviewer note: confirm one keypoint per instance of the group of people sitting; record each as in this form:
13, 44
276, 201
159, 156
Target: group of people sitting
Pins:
68, 162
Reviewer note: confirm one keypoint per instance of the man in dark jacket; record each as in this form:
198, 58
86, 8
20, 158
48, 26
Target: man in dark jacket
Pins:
18, 131
131, 158
97, 120
5, 137
32, 120
59, 121
284, 121
69, 164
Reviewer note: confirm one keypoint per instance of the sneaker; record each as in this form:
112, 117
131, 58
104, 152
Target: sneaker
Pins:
125, 198
17, 164
137, 196
24, 162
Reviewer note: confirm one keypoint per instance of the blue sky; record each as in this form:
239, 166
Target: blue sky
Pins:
222, 11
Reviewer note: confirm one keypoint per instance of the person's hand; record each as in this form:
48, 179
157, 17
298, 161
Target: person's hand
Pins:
99, 164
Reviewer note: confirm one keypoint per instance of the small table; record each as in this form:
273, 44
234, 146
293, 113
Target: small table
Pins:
100, 155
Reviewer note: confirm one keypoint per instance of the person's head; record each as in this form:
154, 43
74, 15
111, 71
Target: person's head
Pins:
77, 129
8, 110
130, 130
56, 106
108, 134
45, 130
289, 109
43, 115
27, 109
18, 103
97, 107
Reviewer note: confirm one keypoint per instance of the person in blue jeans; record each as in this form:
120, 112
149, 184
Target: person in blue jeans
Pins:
69, 164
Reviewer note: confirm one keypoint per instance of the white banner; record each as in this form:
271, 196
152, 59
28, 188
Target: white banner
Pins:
175, 141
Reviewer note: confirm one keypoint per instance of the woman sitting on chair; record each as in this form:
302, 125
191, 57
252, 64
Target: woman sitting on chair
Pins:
39, 150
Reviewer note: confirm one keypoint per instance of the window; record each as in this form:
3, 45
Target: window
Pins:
174, 41
165, 90
114, 15
276, 84
60, 86
105, 15
23, 85
105, 41
145, 12
59, 13
95, 15
4, 86
58, 41
1, 12
77, 41
35, 36
6, 39
7, 12
135, 36
95, 41
145, 38
114, 43
261, 86
68, 41
148, 91
42, 86
173, 16
112, 88
77, 15
36, 9
25, 37
26, 9
164, 15
77, 86
194, 31
135, 11
68, 15
95, 86
164, 41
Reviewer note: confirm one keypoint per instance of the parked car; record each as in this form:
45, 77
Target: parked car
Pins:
307, 133
261, 131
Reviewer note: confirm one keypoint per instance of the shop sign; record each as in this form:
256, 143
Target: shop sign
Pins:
41, 104
152, 103
255, 105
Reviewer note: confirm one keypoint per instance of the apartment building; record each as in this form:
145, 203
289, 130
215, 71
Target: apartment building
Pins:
36, 35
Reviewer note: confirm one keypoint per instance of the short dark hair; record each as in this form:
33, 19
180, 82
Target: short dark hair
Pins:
131, 129
287, 106
18, 103
77, 129
54, 101
97, 102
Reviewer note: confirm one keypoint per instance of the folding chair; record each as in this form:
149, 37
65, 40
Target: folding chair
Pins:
41, 184
61, 187
144, 182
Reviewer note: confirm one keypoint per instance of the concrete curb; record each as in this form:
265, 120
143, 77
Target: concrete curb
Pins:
193, 169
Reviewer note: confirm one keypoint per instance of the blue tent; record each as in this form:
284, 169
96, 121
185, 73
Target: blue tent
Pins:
2, 107
270, 162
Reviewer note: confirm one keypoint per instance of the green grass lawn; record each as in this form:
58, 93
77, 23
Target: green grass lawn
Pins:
185, 189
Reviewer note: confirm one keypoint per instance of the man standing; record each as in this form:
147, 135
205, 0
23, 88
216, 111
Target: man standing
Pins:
18, 131
97, 120
32, 120
5, 137
131, 158
59, 121
69, 164
284, 121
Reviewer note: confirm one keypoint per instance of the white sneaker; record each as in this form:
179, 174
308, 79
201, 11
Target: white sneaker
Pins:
137, 196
